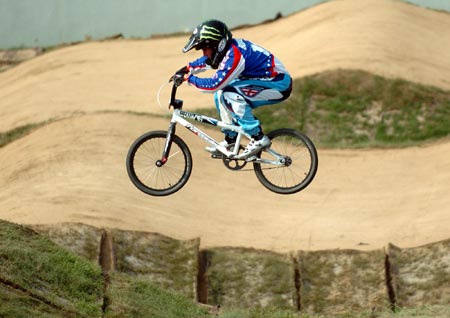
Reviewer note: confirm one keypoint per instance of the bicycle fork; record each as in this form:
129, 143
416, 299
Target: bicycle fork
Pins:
167, 145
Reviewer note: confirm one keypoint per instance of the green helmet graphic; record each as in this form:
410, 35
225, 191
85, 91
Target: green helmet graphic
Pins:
213, 34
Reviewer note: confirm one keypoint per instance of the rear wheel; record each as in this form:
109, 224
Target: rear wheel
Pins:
147, 170
300, 167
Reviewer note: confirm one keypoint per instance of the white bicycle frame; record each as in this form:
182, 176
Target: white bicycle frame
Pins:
178, 116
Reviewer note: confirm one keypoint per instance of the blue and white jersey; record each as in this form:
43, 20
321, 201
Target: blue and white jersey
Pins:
244, 60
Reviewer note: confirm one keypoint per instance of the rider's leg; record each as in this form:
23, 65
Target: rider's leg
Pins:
227, 117
247, 121
241, 111
233, 108
265, 92
242, 96
236, 102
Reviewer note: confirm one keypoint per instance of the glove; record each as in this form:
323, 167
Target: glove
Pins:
183, 71
180, 76
178, 79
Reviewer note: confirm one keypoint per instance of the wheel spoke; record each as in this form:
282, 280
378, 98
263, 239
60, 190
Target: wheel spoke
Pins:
156, 179
294, 176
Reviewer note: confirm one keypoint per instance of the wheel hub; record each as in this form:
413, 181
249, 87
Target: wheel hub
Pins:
287, 161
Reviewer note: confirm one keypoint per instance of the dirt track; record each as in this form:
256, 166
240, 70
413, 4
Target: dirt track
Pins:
73, 169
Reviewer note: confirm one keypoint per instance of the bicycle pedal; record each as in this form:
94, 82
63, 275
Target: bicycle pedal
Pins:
217, 156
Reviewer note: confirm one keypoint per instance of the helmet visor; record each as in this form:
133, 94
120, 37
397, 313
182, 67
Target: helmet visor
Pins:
191, 43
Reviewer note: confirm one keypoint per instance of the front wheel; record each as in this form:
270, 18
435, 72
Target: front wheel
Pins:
152, 175
300, 167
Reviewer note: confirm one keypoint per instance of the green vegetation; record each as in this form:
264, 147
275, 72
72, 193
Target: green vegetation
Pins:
336, 109
170, 263
40, 271
347, 108
342, 280
422, 312
249, 278
41, 279
19, 132
134, 296
352, 108
421, 271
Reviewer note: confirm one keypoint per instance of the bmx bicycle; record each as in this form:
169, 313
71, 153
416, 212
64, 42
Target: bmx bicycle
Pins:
159, 162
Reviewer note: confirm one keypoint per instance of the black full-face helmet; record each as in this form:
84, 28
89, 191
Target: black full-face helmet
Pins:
213, 34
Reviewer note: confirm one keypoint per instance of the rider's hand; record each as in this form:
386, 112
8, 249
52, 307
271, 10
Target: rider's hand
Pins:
183, 71
181, 75
178, 79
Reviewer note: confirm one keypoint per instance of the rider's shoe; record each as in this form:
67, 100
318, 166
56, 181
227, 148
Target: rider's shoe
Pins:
214, 151
255, 146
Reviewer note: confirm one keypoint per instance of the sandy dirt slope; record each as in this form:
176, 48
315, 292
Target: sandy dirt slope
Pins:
74, 169
371, 197
390, 38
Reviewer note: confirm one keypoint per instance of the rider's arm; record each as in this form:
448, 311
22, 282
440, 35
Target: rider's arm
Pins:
198, 65
231, 67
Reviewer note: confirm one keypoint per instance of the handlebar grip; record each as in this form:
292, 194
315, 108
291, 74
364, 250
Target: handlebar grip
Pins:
178, 80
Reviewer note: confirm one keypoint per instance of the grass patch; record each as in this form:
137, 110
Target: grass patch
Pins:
81, 239
19, 305
422, 274
19, 132
40, 279
345, 108
24, 130
134, 296
169, 263
339, 280
48, 273
348, 108
239, 277
420, 312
